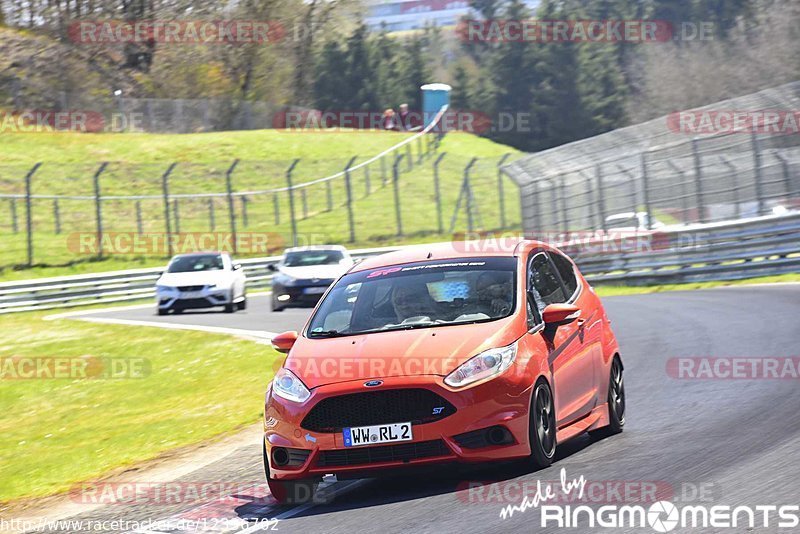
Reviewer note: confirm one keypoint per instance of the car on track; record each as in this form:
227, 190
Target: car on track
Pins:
201, 280
303, 274
633, 222
435, 354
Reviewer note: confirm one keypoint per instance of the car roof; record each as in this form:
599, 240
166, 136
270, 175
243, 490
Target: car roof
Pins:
201, 253
340, 248
451, 250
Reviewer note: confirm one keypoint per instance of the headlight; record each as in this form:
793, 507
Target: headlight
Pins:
288, 386
487, 364
164, 288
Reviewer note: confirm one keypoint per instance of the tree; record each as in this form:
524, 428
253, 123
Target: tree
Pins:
459, 96
330, 87
414, 73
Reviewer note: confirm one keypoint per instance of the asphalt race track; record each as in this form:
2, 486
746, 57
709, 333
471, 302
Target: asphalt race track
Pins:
736, 440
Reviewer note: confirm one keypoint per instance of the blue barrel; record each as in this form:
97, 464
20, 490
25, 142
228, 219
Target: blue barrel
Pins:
434, 96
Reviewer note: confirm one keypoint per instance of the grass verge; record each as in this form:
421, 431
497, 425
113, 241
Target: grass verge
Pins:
56, 432
610, 291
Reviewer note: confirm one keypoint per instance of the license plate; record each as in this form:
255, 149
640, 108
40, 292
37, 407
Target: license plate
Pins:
372, 435
314, 290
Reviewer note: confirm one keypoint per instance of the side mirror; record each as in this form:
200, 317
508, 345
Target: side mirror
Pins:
560, 314
284, 342
237, 266
272, 267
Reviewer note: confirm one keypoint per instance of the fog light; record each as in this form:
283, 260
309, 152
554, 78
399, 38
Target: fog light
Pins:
283, 297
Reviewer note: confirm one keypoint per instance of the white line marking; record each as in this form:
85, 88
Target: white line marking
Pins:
259, 334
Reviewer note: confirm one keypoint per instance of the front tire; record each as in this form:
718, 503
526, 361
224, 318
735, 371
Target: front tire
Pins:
616, 402
243, 304
274, 306
542, 427
230, 308
162, 311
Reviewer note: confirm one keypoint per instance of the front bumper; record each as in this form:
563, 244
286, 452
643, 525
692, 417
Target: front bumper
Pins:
204, 297
501, 402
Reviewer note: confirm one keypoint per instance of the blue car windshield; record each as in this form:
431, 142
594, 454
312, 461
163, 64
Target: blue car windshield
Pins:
418, 295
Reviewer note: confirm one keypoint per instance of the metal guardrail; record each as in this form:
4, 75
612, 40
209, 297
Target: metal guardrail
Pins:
119, 286
721, 251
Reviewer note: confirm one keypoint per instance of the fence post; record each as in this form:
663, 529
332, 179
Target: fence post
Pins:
787, 178
56, 216
14, 222
601, 197
212, 223
383, 169
698, 181
177, 216
139, 217
538, 184
276, 207
409, 159
468, 192
501, 195
291, 200
245, 221
304, 199
165, 193
28, 211
758, 174
349, 191
396, 188
646, 191
562, 197
419, 149
231, 205
736, 188
437, 192
98, 209
329, 195
367, 184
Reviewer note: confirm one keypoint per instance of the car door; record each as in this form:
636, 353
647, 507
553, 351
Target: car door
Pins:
570, 363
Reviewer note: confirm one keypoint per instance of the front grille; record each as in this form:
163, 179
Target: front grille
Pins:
416, 405
190, 288
385, 453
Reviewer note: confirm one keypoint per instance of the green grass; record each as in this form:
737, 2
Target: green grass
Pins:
56, 432
610, 291
140, 159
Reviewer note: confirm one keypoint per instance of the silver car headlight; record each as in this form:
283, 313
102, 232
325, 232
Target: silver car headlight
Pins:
487, 364
289, 387
165, 288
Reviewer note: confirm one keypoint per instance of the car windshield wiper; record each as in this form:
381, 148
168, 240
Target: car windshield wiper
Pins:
325, 333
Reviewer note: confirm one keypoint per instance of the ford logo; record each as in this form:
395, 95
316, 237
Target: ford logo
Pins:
373, 383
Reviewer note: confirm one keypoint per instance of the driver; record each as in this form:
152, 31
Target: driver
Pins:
494, 291
412, 300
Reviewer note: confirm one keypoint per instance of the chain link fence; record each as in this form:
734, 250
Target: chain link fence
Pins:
661, 168
55, 214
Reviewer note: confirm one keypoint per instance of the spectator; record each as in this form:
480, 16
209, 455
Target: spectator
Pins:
390, 120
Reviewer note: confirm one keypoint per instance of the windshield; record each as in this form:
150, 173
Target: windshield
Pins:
313, 257
417, 295
188, 264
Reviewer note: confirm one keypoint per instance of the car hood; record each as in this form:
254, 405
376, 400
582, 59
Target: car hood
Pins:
423, 351
326, 272
200, 278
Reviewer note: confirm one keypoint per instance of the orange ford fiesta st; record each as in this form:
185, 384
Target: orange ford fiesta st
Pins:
438, 354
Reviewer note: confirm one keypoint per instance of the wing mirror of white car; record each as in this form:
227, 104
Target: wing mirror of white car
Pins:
237, 266
272, 267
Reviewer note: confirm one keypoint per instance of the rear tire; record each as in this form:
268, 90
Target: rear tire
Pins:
616, 403
542, 427
288, 491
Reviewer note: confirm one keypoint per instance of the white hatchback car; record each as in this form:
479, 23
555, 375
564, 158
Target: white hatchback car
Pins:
201, 280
